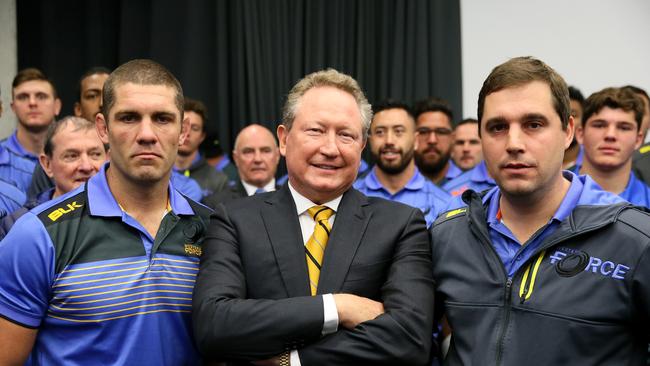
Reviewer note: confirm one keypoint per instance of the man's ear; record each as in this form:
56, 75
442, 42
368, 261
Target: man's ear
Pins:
283, 133
102, 127
185, 130
77, 109
46, 164
57, 106
570, 130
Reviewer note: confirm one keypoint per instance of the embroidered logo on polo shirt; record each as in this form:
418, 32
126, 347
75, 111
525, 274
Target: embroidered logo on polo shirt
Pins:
56, 214
192, 249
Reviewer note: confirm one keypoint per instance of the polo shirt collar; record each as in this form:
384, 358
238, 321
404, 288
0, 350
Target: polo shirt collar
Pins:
103, 203
416, 182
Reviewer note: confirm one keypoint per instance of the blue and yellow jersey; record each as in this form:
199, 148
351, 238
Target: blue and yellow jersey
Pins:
99, 288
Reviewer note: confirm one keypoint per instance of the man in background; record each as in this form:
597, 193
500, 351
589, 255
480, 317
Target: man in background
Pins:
395, 176
256, 156
35, 104
89, 95
433, 118
466, 152
610, 134
573, 154
72, 154
189, 162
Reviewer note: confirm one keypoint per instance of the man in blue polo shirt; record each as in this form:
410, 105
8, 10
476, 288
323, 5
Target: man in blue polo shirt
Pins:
35, 104
545, 268
610, 135
395, 176
13, 168
104, 274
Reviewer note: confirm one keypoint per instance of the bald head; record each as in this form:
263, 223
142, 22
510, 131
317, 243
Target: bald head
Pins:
256, 155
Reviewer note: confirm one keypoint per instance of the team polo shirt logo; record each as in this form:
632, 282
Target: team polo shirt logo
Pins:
57, 213
563, 258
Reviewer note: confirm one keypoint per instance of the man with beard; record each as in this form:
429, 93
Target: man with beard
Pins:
395, 177
433, 118
189, 162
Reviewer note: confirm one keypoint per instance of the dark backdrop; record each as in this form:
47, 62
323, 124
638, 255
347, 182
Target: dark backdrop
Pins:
241, 57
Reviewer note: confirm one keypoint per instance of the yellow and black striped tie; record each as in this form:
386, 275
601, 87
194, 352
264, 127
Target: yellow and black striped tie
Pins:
315, 247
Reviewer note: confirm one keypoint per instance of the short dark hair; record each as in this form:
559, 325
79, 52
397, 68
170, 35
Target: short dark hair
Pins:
54, 127
390, 103
30, 74
433, 104
142, 72
519, 71
467, 121
576, 94
615, 98
95, 70
197, 106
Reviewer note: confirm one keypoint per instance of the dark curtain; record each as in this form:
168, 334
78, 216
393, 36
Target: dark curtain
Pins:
241, 57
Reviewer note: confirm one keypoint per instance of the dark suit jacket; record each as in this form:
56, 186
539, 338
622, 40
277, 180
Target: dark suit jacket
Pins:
252, 299
230, 193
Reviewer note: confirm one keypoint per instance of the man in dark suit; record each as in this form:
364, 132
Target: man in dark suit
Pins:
317, 273
257, 156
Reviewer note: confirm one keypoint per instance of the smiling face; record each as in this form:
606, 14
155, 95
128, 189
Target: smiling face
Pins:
610, 138
523, 140
77, 155
392, 137
323, 147
144, 131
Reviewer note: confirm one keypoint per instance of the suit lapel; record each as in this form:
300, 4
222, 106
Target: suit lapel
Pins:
349, 225
281, 222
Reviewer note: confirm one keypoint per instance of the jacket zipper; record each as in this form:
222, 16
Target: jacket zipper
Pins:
506, 320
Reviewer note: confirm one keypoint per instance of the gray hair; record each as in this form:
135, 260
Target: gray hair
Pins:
333, 78
78, 123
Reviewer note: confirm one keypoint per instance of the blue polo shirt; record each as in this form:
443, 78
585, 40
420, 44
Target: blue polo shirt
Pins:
513, 254
453, 170
636, 192
15, 169
187, 186
418, 192
99, 288
476, 179
14, 146
11, 198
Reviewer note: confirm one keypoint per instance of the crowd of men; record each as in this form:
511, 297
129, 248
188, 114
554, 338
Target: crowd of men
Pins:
131, 237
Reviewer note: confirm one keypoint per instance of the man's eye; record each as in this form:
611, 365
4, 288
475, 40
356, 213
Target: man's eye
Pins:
497, 127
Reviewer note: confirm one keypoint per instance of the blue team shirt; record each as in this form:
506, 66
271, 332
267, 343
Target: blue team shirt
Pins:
636, 192
14, 146
11, 198
15, 169
513, 254
418, 192
129, 310
187, 186
453, 170
476, 179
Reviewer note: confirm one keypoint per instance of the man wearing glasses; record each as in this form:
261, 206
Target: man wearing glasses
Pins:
433, 118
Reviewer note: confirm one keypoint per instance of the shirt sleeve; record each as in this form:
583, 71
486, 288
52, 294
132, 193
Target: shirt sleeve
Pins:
330, 315
26, 272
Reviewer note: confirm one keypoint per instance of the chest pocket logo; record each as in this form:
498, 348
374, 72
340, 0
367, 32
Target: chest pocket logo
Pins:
194, 250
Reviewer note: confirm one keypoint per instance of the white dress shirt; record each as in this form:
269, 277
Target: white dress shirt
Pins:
307, 224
